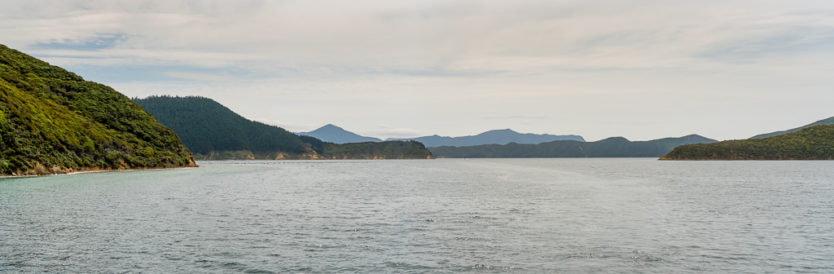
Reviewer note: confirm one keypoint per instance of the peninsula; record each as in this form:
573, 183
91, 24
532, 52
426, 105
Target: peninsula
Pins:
53, 121
813, 143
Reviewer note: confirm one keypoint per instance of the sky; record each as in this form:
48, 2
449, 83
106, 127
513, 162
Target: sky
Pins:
641, 69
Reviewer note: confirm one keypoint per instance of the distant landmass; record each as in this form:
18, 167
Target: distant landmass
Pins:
214, 132
206, 126
813, 143
334, 134
53, 121
498, 137
611, 147
829, 121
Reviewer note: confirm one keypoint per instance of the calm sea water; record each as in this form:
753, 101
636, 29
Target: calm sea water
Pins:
493, 215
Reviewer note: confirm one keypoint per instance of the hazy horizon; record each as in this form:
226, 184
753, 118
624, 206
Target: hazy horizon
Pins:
638, 69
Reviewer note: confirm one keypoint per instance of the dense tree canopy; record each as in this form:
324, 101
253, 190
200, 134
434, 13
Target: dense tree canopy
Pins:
813, 143
53, 121
213, 131
205, 126
827, 121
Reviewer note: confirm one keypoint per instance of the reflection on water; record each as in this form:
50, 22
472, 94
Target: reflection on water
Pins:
499, 215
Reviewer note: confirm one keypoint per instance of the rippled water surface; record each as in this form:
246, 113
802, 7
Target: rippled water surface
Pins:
501, 215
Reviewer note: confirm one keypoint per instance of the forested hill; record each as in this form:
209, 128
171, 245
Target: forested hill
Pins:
611, 147
814, 143
215, 132
828, 121
206, 126
52, 121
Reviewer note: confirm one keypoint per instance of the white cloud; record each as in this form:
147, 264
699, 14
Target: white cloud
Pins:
589, 67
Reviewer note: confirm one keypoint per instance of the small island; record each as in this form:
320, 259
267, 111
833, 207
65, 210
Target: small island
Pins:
813, 143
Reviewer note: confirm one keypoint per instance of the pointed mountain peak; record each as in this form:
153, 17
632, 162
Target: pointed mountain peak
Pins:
335, 134
330, 126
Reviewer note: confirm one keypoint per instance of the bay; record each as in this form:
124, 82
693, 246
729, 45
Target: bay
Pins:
426, 216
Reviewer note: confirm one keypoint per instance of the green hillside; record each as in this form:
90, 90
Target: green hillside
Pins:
611, 147
814, 143
828, 121
52, 121
206, 126
214, 132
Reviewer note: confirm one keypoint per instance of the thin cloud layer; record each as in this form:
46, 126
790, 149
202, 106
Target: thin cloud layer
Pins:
643, 69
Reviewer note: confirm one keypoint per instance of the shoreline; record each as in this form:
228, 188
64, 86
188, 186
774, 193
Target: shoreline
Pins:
93, 170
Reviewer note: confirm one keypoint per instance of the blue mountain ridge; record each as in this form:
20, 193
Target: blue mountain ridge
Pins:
492, 137
334, 134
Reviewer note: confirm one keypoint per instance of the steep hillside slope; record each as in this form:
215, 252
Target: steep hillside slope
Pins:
52, 121
215, 132
205, 126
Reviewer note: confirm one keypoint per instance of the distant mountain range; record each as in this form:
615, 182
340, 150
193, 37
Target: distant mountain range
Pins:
829, 121
53, 121
338, 135
214, 132
611, 147
812, 143
493, 137
335, 134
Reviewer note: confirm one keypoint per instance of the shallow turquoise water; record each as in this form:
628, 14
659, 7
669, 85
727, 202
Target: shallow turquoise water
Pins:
486, 215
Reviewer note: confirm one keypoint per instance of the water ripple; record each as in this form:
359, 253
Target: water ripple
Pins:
491, 215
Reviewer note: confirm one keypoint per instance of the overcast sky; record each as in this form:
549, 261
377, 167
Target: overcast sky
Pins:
639, 69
